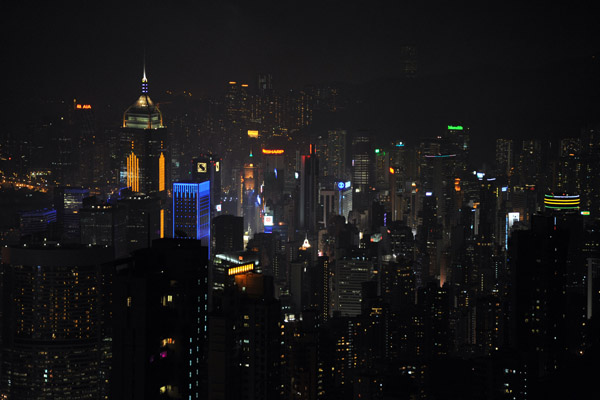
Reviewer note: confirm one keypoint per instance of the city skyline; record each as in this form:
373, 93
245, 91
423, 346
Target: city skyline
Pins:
474, 65
298, 200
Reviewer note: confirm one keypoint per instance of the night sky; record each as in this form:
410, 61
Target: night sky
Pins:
510, 69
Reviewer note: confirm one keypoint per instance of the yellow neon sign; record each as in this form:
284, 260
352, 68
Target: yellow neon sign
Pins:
241, 269
275, 151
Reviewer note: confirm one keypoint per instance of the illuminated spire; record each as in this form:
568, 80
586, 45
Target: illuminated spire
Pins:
306, 244
144, 79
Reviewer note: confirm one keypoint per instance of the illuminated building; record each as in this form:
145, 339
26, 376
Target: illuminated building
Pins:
225, 266
161, 311
252, 201
208, 168
144, 156
36, 222
561, 202
67, 202
56, 328
362, 174
191, 211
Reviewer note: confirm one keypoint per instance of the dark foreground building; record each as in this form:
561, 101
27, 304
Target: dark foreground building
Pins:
161, 302
55, 335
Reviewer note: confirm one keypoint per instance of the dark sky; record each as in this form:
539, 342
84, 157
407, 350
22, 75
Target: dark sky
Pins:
95, 50
199, 44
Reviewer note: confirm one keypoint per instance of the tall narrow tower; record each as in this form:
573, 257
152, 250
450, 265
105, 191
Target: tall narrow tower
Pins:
144, 155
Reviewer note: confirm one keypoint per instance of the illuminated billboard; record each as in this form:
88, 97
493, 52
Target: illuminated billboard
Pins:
512, 218
272, 151
562, 202
240, 269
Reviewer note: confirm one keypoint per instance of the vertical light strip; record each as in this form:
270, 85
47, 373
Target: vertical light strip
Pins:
133, 180
162, 223
161, 172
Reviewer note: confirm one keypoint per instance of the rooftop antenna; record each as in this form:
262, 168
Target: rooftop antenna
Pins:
144, 79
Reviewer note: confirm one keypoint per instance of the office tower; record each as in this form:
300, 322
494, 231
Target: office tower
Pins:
227, 234
505, 157
456, 140
530, 162
274, 174
92, 148
67, 202
329, 204
207, 167
244, 341
381, 169
37, 222
145, 220
56, 331
161, 307
362, 174
590, 170
569, 168
349, 274
191, 211
104, 225
251, 198
309, 191
144, 157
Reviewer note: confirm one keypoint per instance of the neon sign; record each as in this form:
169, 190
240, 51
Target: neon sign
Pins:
272, 151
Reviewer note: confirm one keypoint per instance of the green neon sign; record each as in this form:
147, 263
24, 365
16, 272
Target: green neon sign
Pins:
455, 127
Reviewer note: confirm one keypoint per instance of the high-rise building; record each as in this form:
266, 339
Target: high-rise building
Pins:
144, 155
309, 192
505, 157
191, 211
227, 234
161, 311
362, 174
244, 341
104, 225
207, 167
56, 331
145, 220
67, 202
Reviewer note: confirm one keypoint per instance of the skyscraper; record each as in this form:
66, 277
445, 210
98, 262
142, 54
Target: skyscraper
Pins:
191, 211
161, 303
144, 154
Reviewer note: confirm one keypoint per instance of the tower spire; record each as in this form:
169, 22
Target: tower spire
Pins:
144, 79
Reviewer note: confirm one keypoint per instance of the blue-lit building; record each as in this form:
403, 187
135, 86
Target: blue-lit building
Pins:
191, 211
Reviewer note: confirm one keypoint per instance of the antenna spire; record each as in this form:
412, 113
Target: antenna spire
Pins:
144, 79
